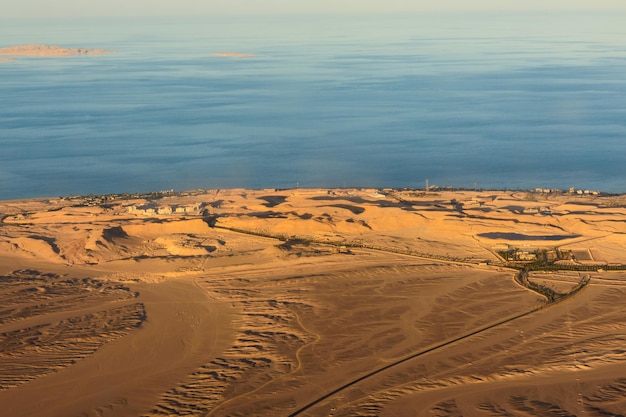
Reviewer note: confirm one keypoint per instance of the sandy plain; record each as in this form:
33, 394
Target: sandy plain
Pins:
311, 302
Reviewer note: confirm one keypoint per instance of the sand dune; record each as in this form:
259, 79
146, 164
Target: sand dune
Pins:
310, 302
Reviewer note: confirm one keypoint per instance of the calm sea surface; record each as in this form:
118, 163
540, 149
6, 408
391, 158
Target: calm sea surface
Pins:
500, 101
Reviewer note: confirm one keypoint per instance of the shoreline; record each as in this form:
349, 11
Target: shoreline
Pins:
153, 194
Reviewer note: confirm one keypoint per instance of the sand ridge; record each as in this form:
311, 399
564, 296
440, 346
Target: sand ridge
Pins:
311, 302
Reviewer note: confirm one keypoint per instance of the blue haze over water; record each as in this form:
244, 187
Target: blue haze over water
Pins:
497, 100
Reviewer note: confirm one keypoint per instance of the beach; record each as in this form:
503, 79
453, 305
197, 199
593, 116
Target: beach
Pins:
311, 302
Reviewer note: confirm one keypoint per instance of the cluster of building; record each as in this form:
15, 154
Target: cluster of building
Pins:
537, 210
151, 209
555, 256
572, 190
526, 254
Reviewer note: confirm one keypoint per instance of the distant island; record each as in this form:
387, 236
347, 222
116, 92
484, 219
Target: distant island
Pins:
232, 54
47, 51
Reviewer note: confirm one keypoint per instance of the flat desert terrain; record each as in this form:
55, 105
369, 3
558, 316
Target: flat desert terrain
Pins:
314, 302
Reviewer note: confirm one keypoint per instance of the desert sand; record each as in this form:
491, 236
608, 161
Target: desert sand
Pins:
313, 302
48, 51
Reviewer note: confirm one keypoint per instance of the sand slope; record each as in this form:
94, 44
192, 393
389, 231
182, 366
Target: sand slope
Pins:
310, 303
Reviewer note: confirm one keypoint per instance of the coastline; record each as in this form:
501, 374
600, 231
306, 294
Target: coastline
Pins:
573, 192
487, 213
275, 300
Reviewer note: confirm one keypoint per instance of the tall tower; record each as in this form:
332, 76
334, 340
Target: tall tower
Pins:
426, 184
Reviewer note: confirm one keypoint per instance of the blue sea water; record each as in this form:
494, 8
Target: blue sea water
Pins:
507, 101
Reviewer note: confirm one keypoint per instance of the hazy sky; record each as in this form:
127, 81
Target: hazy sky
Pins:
78, 8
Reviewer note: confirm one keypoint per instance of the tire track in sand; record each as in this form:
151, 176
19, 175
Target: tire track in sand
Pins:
436, 347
